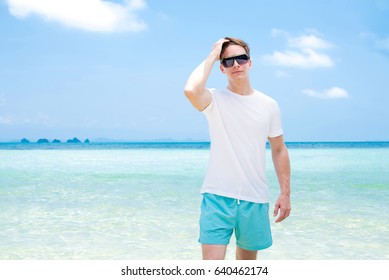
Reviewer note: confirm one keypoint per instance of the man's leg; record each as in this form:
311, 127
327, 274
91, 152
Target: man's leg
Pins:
217, 222
213, 252
242, 254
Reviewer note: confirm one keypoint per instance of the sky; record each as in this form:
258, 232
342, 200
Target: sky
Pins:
115, 70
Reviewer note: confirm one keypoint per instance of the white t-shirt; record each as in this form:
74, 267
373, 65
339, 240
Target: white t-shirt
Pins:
239, 127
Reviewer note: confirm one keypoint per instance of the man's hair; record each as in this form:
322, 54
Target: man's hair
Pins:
234, 41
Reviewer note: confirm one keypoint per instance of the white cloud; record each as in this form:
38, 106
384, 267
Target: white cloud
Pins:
303, 52
306, 58
332, 93
309, 42
90, 15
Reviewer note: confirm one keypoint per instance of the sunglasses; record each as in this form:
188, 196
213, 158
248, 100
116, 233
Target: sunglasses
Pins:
240, 59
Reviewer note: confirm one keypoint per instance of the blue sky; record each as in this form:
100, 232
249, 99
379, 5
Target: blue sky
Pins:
116, 69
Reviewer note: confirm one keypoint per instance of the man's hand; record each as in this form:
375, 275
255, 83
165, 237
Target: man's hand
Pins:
217, 47
282, 206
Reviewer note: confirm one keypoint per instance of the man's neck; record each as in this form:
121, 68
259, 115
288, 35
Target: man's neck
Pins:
241, 88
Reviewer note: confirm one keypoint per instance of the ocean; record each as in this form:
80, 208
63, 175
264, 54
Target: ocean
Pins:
140, 201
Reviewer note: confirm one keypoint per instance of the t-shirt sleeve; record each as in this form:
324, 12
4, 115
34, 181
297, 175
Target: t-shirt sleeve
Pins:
209, 109
275, 123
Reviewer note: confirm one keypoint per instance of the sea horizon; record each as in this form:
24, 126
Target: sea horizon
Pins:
129, 144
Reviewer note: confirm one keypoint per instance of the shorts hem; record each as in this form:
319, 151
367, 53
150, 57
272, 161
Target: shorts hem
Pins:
255, 248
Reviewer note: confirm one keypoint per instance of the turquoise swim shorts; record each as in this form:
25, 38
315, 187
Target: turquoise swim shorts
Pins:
221, 216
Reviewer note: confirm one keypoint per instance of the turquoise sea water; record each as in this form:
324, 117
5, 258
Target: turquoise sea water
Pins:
141, 201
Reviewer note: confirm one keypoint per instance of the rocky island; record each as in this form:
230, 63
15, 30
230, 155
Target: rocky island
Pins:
45, 141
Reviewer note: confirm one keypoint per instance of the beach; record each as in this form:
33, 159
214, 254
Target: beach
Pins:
139, 201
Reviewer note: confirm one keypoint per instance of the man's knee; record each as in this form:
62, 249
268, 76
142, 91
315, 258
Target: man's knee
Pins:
242, 254
214, 252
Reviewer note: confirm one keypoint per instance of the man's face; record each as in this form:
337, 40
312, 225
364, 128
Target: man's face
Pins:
237, 70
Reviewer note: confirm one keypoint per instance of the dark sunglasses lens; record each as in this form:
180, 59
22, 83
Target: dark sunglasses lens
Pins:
242, 61
228, 62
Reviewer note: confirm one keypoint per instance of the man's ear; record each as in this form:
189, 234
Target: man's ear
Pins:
221, 68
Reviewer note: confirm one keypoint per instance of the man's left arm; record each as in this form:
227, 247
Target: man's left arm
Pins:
281, 164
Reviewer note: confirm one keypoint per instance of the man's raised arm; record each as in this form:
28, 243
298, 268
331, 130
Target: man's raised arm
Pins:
195, 89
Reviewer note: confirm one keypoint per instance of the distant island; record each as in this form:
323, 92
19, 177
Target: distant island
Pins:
74, 140
45, 141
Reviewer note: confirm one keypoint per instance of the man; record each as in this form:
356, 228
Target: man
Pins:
235, 190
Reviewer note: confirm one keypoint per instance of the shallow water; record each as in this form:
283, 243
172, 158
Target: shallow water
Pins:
143, 203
